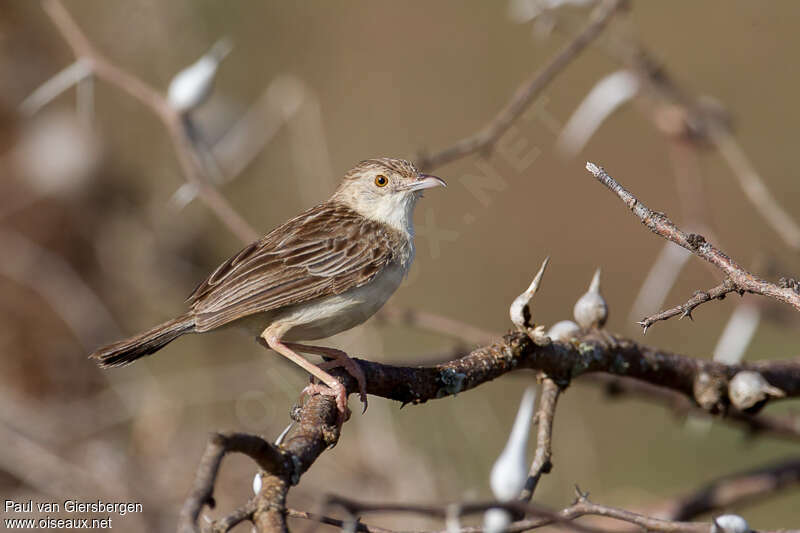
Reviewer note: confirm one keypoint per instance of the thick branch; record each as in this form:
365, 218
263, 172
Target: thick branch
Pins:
658, 223
487, 136
268, 457
315, 430
562, 362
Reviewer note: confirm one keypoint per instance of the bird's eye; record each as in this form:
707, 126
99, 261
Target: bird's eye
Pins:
381, 180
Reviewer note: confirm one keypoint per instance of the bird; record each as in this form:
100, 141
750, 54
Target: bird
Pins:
324, 271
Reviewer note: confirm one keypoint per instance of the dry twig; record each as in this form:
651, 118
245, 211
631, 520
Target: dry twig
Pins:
739, 279
545, 415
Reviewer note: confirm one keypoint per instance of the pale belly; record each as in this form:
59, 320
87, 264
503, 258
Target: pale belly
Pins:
329, 316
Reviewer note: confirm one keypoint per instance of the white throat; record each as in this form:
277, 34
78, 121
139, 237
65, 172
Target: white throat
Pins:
394, 210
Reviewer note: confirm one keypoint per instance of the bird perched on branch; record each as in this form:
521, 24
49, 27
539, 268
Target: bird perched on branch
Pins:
323, 272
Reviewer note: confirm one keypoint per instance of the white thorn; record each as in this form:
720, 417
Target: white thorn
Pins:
521, 302
563, 330
283, 434
594, 286
192, 86
730, 523
747, 388
603, 99
591, 310
496, 520
453, 518
510, 470
738, 334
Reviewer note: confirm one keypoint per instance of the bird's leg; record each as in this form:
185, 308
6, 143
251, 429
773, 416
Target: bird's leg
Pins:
334, 387
338, 358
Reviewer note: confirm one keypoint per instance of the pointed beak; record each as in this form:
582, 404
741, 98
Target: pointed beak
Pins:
426, 181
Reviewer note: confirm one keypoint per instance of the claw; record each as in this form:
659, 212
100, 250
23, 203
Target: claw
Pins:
352, 368
338, 392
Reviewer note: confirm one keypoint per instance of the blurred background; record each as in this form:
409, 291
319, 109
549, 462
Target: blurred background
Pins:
100, 237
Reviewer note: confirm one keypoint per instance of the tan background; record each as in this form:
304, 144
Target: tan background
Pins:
386, 79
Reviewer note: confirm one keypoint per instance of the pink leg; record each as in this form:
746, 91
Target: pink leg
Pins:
334, 388
340, 359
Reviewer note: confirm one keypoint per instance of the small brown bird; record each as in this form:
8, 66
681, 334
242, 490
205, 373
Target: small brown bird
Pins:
323, 272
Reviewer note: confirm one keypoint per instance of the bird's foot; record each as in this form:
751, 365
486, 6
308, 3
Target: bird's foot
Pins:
338, 391
352, 368
337, 359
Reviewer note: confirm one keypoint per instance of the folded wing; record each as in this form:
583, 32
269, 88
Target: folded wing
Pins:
322, 252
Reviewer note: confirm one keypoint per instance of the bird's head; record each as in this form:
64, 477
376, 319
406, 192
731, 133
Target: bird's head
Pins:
385, 190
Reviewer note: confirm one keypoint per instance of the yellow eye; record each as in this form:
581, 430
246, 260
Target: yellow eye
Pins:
381, 180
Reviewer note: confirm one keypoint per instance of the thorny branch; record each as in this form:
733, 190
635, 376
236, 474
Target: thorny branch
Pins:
487, 136
541, 517
544, 515
582, 507
740, 279
685, 310
315, 421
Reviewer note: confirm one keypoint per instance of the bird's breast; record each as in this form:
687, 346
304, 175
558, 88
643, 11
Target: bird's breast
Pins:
333, 314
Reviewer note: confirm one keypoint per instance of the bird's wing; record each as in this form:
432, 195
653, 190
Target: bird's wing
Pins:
322, 252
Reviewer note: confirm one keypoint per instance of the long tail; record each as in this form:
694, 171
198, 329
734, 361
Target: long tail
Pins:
129, 350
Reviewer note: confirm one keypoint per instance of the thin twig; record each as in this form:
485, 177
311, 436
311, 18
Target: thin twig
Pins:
322, 519
53, 87
660, 279
487, 136
233, 519
465, 509
685, 310
156, 102
584, 507
545, 415
658, 223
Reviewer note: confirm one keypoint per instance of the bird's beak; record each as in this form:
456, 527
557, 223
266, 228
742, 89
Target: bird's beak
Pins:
426, 181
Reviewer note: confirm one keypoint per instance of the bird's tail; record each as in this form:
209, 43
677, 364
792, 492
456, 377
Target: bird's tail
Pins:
129, 350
